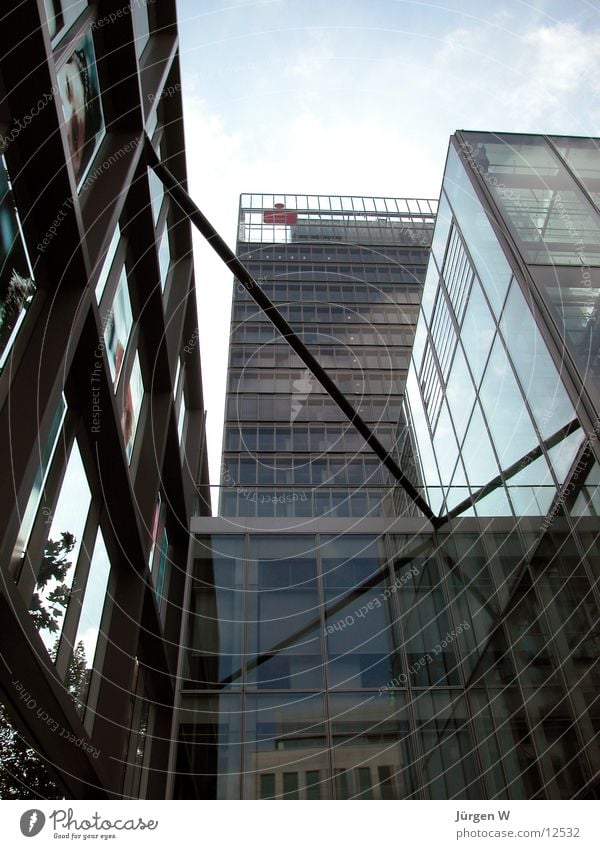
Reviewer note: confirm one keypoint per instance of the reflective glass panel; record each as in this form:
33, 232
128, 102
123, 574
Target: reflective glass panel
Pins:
17, 285
583, 157
460, 393
477, 454
285, 734
208, 752
132, 404
547, 212
493, 270
214, 646
164, 257
506, 414
88, 628
81, 105
361, 644
157, 193
541, 382
118, 327
478, 330
141, 24
442, 229
284, 625
372, 748
46, 453
430, 647
449, 763
61, 14
107, 264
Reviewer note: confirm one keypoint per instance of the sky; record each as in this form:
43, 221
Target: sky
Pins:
358, 97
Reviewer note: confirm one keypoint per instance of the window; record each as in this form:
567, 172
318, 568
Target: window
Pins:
505, 411
287, 730
107, 264
60, 14
90, 618
283, 603
161, 572
214, 644
141, 24
157, 193
81, 105
132, 404
354, 719
154, 533
17, 285
118, 327
181, 417
541, 382
164, 257
179, 390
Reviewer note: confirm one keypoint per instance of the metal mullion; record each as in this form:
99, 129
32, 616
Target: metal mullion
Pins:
391, 553
325, 660
244, 678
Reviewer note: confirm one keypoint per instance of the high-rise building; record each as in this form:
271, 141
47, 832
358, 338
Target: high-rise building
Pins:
343, 647
101, 411
347, 274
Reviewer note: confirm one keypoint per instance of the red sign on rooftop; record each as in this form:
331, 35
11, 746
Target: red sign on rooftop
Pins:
279, 215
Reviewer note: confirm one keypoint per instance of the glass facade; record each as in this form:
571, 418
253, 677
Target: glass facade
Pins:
428, 666
498, 421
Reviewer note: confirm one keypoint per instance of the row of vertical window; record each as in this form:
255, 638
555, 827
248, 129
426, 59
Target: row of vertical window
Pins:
337, 253
329, 356
303, 312
119, 343
302, 437
313, 334
62, 563
272, 273
77, 74
302, 383
512, 382
365, 782
305, 409
302, 501
337, 293
360, 230
335, 470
